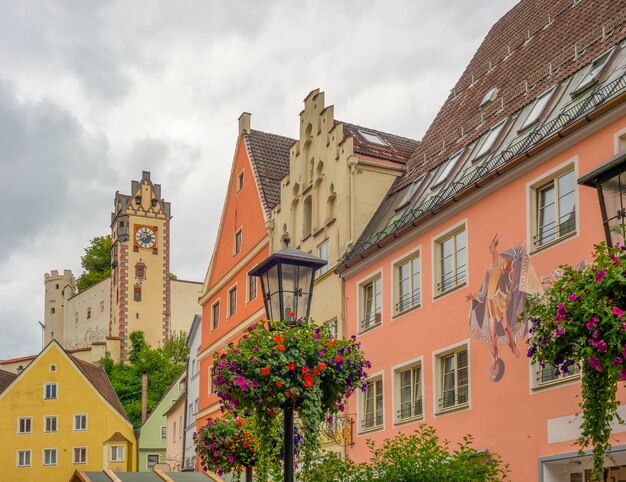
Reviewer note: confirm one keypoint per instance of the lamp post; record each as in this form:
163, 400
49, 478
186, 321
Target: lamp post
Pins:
610, 182
287, 278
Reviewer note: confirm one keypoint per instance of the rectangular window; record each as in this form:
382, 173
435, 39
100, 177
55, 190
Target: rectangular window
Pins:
163, 431
443, 172
373, 405
323, 251
237, 244
23, 458
371, 303
117, 454
50, 424
182, 429
548, 375
538, 107
190, 414
24, 425
137, 292
50, 391
490, 139
593, 72
453, 379
555, 209
80, 422
89, 312
232, 301
451, 252
79, 455
49, 456
240, 181
215, 315
152, 460
408, 284
252, 287
210, 387
410, 399
174, 431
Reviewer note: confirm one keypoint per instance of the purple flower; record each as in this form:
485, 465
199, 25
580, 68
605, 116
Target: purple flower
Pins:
559, 331
600, 345
594, 362
560, 313
622, 375
574, 297
255, 348
617, 361
230, 459
591, 324
600, 276
241, 381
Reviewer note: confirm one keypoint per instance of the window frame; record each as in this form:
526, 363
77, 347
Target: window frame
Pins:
116, 448
237, 241
439, 358
45, 423
408, 258
585, 82
56, 390
528, 122
460, 278
252, 281
79, 462
164, 432
363, 426
148, 466
30, 458
318, 249
231, 309
558, 381
50, 452
444, 170
534, 189
484, 148
397, 391
27, 422
80, 417
215, 321
377, 312
240, 180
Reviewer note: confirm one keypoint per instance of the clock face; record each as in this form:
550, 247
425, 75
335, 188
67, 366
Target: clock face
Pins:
145, 237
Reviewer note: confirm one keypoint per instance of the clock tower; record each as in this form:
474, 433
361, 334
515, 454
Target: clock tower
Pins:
140, 265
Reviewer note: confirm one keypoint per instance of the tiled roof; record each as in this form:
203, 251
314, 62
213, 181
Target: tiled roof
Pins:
396, 148
98, 378
534, 46
269, 156
6, 378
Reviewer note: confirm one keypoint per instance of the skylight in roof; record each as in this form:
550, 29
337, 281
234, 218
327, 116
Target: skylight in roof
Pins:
489, 96
373, 138
538, 108
445, 169
490, 138
410, 191
593, 72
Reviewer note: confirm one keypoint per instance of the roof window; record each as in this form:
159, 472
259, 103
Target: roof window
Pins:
490, 138
538, 107
489, 97
445, 169
373, 138
410, 191
593, 72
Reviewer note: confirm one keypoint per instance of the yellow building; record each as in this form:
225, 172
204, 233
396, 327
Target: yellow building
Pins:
61, 414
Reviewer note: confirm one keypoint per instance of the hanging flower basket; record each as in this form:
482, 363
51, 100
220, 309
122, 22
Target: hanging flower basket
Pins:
580, 321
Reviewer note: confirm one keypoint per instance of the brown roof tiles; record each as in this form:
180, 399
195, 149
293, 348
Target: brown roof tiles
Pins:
99, 379
6, 378
396, 148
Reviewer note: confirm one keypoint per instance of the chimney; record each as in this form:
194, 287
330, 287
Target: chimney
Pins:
144, 396
244, 123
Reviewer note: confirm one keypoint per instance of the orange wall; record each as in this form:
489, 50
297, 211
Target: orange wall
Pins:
507, 416
241, 210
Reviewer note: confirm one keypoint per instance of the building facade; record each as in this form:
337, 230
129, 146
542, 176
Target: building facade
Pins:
487, 211
139, 294
192, 392
61, 414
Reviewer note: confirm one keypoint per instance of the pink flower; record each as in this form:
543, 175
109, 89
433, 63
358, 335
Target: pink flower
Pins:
591, 324
560, 313
617, 312
622, 375
594, 362
600, 276
574, 297
600, 345
617, 361
559, 331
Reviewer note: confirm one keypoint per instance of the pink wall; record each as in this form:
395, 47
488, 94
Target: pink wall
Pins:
507, 416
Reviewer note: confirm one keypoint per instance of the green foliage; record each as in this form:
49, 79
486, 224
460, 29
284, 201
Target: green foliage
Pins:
96, 262
163, 366
418, 457
580, 320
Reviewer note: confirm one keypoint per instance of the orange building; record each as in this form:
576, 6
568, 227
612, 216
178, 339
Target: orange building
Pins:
488, 209
231, 299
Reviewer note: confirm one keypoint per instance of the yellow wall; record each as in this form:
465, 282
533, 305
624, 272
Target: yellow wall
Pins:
75, 395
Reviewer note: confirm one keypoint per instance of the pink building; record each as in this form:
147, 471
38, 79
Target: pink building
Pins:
488, 209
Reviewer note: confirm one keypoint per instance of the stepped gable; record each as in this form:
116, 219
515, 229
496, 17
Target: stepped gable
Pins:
6, 378
396, 148
530, 49
269, 156
98, 378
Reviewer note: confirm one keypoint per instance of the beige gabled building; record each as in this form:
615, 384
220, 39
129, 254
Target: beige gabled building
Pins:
338, 175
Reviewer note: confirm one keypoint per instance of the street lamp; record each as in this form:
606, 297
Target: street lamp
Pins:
610, 181
287, 283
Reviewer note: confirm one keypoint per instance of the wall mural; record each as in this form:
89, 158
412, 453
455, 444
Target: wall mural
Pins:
508, 281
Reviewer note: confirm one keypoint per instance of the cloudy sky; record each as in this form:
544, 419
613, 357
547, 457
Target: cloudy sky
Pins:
92, 93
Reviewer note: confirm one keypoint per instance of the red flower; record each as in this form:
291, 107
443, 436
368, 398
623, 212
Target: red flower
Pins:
308, 381
316, 372
246, 443
290, 393
305, 370
321, 366
278, 339
331, 342
239, 421
291, 313
265, 371
291, 366
279, 383
338, 358
280, 347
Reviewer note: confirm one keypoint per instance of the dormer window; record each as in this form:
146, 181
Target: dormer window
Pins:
489, 97
490, 139
538, 107
443, 172
593, 72
372, 138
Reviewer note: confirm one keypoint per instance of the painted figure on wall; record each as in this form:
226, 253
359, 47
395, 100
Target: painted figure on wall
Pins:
509, 280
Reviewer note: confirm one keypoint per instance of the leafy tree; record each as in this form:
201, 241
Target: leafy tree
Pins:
96, 262
162, 364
